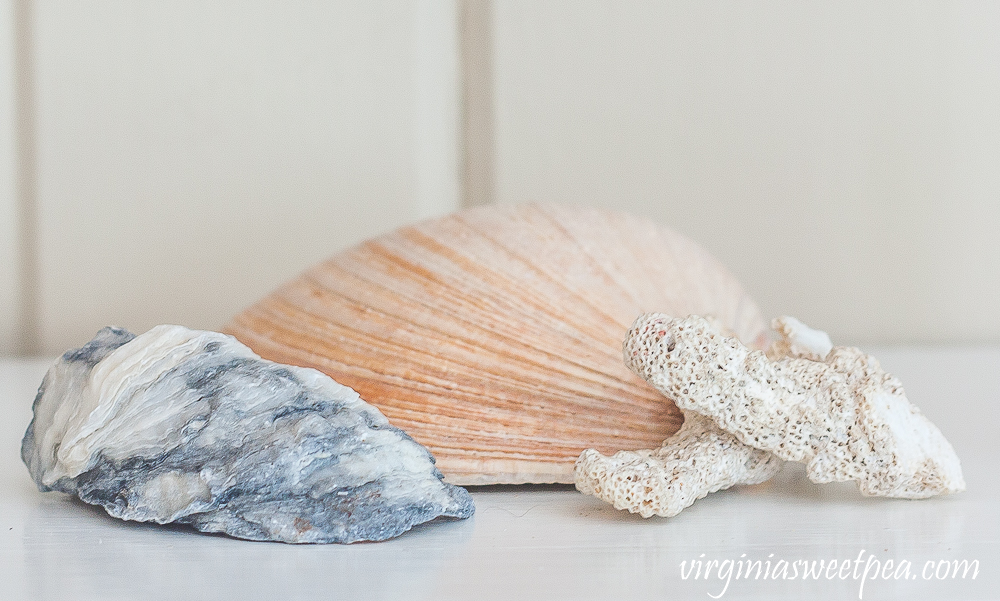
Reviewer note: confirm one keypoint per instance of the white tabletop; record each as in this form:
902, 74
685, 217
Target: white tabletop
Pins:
548, 542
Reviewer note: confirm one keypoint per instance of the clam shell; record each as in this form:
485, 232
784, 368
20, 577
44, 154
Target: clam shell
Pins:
493, 336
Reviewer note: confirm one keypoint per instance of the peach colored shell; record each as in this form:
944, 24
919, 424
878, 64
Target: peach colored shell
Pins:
493, 335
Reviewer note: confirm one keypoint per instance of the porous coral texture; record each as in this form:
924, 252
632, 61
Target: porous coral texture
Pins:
838, 412
697, 460
796, 340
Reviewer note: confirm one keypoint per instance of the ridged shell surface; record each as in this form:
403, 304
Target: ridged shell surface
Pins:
493, 336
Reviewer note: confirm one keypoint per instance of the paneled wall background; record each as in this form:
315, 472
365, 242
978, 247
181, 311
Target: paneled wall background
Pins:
174, 161
843, 158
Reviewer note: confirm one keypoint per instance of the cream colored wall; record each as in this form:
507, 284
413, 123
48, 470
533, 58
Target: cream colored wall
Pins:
193, 155
9, 241
842, 157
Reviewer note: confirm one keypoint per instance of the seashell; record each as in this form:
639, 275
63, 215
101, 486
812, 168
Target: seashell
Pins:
493, 335
190, 427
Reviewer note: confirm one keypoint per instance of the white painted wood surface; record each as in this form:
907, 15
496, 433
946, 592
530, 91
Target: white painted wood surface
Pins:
540, 543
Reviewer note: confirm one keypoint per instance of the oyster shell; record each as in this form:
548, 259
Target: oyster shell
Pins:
493, 335
177, 425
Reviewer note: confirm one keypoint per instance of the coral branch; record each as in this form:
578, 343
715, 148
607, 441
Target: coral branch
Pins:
697, 460
844, 416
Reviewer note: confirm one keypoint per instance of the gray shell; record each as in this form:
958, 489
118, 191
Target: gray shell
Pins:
192, 427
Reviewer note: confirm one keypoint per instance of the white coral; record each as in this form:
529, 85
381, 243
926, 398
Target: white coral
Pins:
837, 410
697, 460
797, 340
